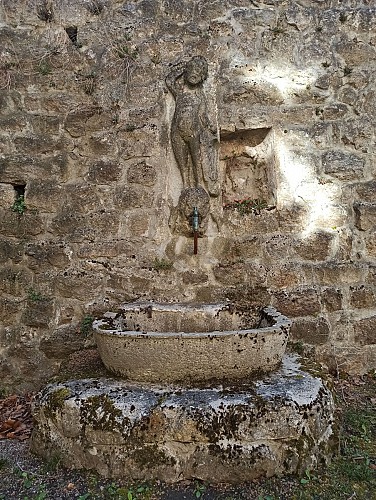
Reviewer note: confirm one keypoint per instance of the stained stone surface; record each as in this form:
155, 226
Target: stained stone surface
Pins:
278, 424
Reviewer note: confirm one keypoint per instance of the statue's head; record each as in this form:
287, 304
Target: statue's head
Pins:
196, 70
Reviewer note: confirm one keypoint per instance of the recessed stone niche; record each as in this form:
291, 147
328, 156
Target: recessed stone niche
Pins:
247, 164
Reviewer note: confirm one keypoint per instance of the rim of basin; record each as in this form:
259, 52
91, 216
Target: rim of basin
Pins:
277, 320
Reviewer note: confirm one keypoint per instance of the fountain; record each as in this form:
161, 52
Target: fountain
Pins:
196, 391
205, 396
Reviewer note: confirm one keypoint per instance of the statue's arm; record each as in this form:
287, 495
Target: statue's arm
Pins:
172, 78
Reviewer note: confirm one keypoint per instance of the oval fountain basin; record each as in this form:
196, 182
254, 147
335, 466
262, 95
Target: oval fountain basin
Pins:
149, 342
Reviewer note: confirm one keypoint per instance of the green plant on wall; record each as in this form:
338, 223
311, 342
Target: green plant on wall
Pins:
19, 205
247, 206
86, 323
162, 264
124, 51
44, 68
35, 296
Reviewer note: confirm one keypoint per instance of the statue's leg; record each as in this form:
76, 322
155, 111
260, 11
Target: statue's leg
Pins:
195, 151
180, 150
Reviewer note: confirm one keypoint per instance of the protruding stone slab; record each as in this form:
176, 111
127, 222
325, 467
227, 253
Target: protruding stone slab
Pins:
279, 424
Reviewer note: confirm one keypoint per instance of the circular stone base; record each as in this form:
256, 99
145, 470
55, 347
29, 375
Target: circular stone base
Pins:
279, 424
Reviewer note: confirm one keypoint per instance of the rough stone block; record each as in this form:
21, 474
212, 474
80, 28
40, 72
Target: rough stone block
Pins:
299, 16
43, 254
76, 121
44, 195
37, 144
365, 331
299, 302
316, 247
18, 169
80, 284
310, 330
282, 425
362, 19
80, 197
355, 133
251, 93
287, 275
62, 342
129, 197
370, 242
104, 171
250, 224
99, 249
354, 53
335, 111
290, 218
7, 195
366, 191
362, 297
78, 227
331, 298
348, 95
344, 359
320, 133
44, 124
14, 122
334, 273
9, 311
136, 224
20, 226
9, 100
195, 277
343, 165
15, 280
39, 311
365, 216
344, 245
138, 142
11, 250
232, 274
371, 275
102, 143
240, 249
246, 16
278, 247
142, 173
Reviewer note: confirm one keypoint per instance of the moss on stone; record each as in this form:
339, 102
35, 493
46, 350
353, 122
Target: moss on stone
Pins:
56, 401
101, 414
151, 456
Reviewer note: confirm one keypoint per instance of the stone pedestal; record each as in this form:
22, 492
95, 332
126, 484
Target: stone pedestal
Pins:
279, 424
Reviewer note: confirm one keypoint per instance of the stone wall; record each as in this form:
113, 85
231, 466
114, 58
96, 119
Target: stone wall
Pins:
84, 138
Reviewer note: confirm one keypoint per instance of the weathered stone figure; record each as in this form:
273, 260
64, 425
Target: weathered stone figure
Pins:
190, 125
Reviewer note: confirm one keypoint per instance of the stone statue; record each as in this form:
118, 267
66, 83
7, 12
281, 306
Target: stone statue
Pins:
192, 135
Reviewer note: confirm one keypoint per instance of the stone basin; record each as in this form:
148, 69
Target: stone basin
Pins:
149, 342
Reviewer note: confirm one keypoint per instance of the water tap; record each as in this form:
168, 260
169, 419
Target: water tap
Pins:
195, 220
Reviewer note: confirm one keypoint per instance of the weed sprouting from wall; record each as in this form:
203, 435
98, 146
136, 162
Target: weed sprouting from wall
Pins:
247, 206
35, 296
19, 205
85, 326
